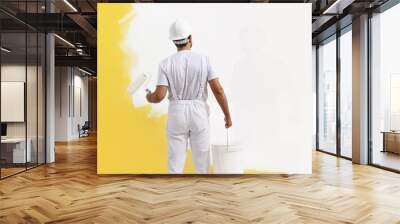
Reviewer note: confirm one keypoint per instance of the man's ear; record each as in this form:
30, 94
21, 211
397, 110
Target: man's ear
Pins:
190, 41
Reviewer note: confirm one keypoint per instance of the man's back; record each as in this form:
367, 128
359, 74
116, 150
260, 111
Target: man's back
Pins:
186, 73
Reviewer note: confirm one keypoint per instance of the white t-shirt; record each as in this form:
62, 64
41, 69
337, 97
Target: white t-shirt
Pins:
185, 72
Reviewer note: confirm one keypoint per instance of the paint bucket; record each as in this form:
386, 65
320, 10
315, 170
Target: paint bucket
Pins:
227, 159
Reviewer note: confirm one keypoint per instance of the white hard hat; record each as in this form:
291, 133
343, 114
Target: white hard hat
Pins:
179, 30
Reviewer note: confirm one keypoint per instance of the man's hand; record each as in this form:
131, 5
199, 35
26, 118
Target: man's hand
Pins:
228, 122
158, 95
148, 96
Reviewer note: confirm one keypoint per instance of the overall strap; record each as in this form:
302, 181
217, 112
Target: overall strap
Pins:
202, 84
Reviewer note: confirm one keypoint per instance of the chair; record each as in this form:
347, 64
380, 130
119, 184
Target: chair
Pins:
84, 130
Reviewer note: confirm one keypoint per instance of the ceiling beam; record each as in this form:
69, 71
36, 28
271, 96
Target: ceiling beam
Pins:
82, 61
317, 25
84, 24
337, 7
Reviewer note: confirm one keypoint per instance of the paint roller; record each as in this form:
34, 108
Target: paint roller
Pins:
137, 83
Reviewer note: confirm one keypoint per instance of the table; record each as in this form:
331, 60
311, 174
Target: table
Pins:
391, 141
15, 148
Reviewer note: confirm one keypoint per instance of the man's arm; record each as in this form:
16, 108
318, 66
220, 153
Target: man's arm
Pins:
158, 95
219, 94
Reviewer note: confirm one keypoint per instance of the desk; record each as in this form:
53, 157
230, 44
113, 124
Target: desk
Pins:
391, 141
15, 148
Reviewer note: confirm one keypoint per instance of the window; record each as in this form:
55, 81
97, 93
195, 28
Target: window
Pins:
327, 96
385, 89
22, 78
346, 93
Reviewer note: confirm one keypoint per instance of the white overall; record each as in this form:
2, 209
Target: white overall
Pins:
188, 121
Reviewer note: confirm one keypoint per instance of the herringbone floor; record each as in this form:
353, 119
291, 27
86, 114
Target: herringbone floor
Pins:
69, 191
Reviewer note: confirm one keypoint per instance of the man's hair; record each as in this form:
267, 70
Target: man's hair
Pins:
182, 42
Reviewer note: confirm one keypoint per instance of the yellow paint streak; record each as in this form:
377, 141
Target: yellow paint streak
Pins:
129, 141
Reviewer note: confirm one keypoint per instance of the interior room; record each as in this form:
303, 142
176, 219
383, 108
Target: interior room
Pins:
61, 76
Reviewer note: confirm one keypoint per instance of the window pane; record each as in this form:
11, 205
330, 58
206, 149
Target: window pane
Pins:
22, 89
15, 150
32, 95
327, 97
346, 93
386, 88
41, 98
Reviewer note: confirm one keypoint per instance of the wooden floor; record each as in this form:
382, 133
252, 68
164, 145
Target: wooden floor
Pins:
69, 191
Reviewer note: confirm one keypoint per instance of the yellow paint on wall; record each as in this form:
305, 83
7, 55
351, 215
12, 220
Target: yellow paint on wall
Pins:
129, 141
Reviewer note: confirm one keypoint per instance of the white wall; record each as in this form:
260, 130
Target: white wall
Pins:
12, 73
61, 105
70, 83
264, 66
82, 82
80, 103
